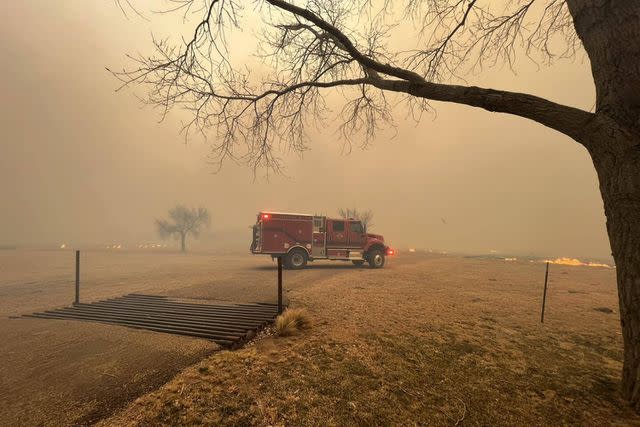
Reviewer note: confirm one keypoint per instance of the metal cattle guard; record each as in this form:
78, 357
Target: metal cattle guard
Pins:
227, 324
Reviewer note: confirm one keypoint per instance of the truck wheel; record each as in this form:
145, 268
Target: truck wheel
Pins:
376, 259
296, 259
358, 262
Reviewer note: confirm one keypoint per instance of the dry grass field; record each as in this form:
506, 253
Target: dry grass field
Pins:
67, 372
426, 341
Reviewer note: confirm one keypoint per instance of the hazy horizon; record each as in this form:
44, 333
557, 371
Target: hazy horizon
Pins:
80, 163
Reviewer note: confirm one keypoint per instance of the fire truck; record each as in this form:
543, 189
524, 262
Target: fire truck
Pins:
300, 238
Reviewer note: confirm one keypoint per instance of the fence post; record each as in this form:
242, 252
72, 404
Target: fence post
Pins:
544, 294
77, 277
279, 284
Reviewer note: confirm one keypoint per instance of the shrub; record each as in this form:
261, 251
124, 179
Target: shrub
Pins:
291, 321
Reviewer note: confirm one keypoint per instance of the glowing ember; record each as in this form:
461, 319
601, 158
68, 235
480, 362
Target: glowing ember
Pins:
576, 262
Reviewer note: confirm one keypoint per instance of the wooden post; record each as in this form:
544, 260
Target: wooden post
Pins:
544, 294
279, 285
77, 277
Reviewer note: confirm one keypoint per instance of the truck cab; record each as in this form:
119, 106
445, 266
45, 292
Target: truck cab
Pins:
300, 238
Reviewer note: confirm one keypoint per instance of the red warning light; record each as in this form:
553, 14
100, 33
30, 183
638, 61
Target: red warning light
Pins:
390, 252
265, 216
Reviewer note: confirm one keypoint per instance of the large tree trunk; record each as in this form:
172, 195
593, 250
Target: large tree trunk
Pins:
610, 33
183, 238
619, 175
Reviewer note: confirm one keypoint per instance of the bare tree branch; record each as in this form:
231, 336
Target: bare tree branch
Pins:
309, 48
365, 217
182, 223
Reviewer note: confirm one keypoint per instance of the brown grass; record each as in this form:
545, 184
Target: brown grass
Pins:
429, 342
292, 321
58, 373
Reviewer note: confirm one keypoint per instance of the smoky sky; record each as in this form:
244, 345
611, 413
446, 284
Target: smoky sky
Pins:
82, 164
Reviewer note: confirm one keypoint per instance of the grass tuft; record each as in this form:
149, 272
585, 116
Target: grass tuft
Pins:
292, 321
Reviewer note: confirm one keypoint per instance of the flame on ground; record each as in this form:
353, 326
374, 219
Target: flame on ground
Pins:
576, 262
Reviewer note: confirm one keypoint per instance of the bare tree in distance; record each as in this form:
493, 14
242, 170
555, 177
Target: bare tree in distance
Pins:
183, 222
312, 48
365, 217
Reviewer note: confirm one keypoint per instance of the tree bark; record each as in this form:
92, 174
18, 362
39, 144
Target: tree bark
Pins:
610, 33
183, 237
617, 162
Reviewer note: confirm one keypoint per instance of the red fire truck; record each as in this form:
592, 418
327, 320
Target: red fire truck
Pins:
299, 238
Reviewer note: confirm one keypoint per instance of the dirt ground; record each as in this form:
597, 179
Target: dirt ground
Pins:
56, 372
427, 340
